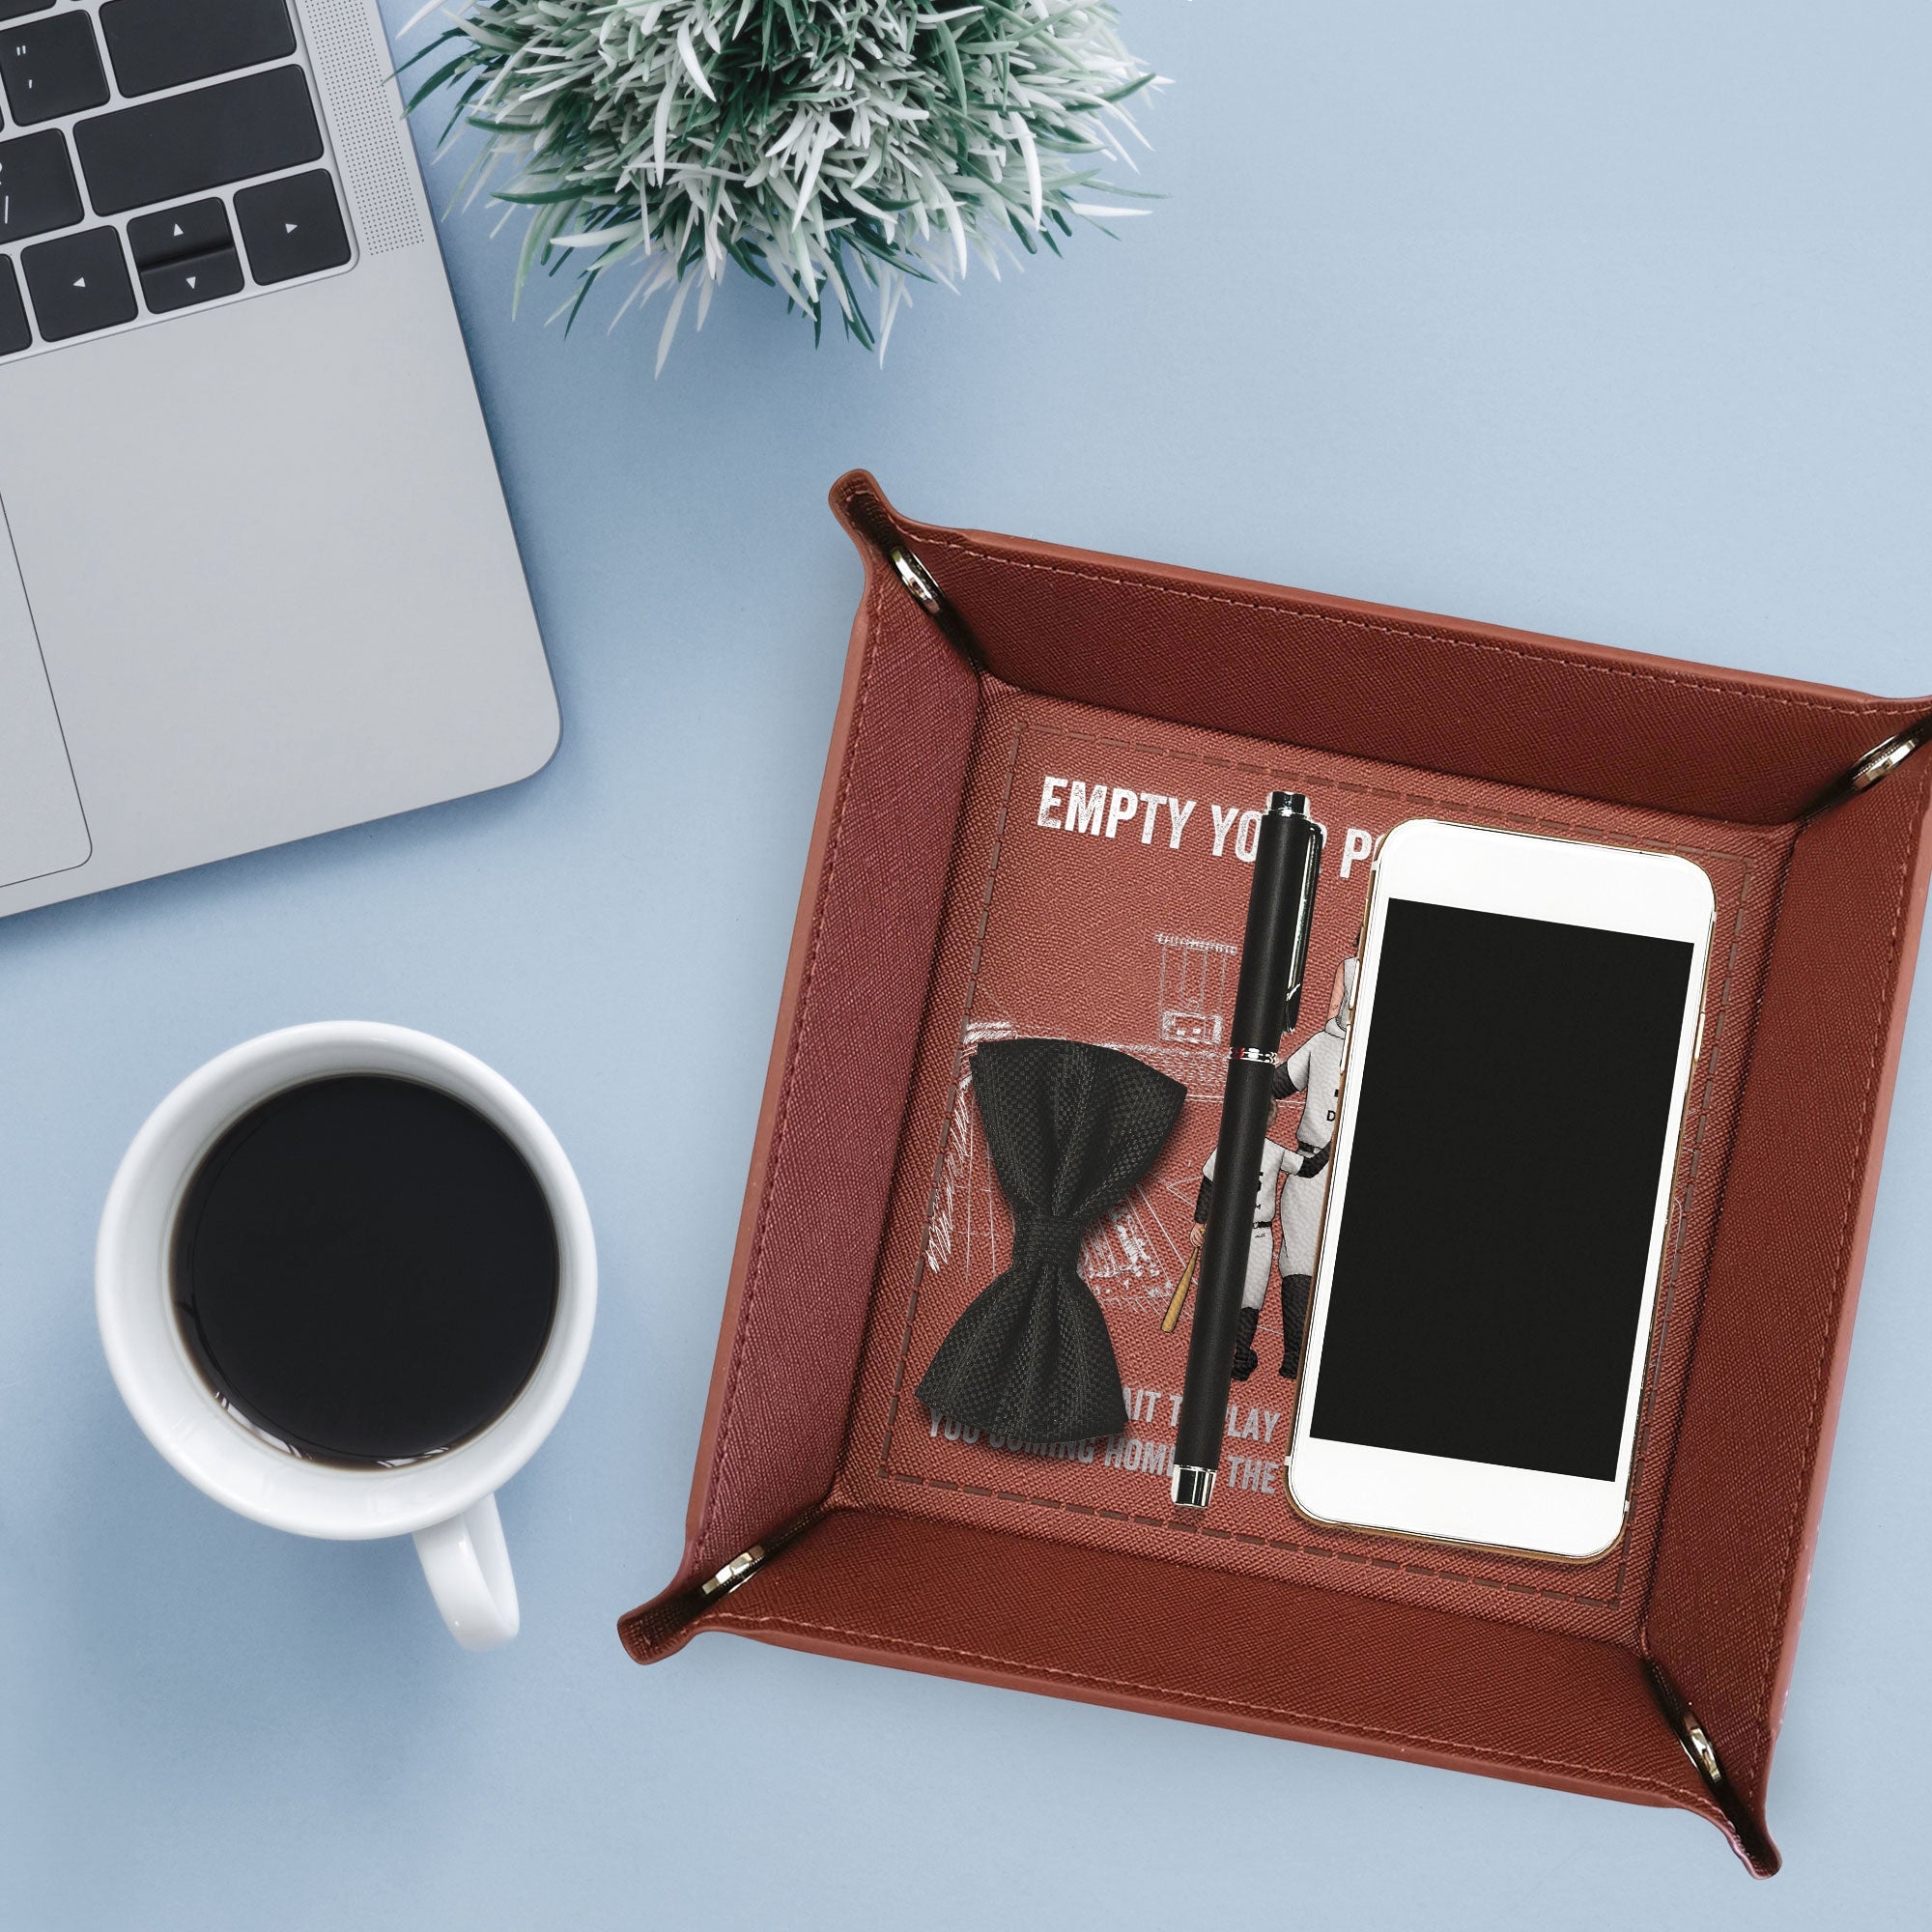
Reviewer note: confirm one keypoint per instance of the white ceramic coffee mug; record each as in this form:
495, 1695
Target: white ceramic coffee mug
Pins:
447, 1501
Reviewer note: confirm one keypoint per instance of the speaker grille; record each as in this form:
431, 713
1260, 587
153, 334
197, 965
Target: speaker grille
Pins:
352, 68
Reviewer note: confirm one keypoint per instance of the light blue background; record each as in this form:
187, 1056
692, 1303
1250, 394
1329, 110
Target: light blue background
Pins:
1608, 321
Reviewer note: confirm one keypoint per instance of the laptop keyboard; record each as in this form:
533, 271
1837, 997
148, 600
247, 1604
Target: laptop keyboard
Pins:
155, 155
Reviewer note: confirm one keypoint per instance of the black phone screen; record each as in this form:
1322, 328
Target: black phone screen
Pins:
1512, 1111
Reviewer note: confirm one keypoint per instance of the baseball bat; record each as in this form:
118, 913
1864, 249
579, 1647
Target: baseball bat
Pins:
1172, 1319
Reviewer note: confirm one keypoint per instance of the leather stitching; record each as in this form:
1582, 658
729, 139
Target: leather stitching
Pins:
1876, 707
980, 733
1678, 1794
1768, 1661
1311, 777
1717, 1221
801, 1026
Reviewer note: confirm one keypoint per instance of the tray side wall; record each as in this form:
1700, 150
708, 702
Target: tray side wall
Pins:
847, 1031
1403, 687
1775, 1332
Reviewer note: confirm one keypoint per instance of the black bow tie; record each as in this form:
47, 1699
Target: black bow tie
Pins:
1071, 1129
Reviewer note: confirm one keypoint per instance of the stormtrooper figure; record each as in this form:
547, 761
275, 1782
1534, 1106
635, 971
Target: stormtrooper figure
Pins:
1277, 1162
1313, 1070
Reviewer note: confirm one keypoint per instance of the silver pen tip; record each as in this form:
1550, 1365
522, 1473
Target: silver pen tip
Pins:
1191, 1486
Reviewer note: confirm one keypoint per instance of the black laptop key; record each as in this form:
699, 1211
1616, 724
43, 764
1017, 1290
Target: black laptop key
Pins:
179, 232
158, 43
12, 9
51, 68
291, 227
185, 255
187, 143
36, 186
194, 279
79, 283
14, 334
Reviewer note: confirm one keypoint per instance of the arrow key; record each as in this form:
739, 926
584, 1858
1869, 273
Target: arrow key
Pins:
186, 255
192, 229
79, 283
192, 278
291, 227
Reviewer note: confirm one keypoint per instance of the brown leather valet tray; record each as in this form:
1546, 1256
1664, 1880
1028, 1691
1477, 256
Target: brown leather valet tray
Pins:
963, 885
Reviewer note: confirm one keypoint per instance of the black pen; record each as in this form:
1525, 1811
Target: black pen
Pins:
1267, 1001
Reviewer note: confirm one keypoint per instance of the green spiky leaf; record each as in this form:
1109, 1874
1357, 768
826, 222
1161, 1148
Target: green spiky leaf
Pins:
838, 150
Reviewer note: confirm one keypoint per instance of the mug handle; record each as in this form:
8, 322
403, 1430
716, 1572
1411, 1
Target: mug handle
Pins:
468, 1566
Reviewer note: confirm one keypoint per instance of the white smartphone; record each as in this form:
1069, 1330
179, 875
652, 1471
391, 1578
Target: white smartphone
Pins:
1527, 1014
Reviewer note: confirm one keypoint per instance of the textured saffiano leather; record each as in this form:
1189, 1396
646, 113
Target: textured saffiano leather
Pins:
920, 892
1047, 931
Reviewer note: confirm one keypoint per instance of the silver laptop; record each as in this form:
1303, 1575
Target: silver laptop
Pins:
256, 576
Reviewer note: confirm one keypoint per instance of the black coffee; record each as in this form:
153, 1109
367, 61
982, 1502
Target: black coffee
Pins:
366, 1269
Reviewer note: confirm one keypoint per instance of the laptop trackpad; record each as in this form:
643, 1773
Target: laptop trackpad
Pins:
42, 828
